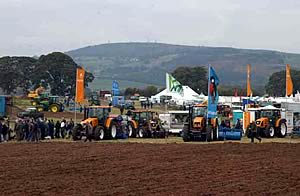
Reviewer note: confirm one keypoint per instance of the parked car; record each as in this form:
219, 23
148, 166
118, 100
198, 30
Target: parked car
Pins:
31, 113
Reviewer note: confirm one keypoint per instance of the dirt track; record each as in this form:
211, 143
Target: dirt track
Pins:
58, 168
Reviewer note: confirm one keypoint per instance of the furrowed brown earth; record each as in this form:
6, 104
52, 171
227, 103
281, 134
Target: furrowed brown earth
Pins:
57, 168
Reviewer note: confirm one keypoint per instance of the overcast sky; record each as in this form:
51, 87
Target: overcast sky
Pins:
34, 27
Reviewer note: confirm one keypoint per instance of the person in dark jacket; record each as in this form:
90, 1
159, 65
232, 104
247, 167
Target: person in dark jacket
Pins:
0, 130
253, 132
57, 129
35, 132
238, 124
51, 129
89, 132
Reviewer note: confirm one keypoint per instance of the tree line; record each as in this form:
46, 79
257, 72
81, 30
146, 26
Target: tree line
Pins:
56, 71
196, 78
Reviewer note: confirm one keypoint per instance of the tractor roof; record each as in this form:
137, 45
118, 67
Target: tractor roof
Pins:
200, 105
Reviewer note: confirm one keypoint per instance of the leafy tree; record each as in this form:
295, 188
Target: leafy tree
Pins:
194, 77
55, 70
149, 91
276, 84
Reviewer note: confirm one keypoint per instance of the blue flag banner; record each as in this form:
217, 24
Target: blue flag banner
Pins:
213, 95
115, 88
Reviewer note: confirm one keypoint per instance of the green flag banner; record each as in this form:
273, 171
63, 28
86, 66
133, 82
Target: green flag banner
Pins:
173, 85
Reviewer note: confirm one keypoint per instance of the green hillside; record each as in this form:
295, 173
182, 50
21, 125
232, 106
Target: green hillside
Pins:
147, 63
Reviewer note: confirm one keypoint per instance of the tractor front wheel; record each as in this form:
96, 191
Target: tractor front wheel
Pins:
270, 131
112, 132
40, 108
99, 133
141, 133
185, 134
54, 108
131, 130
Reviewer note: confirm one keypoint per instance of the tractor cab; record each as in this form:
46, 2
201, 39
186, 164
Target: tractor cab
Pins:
198, 114
270, 122
142, 117
96, 114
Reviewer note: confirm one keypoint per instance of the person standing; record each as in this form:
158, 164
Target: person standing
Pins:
121, 109
253, 132
57, 130
70, 127
89, 132
0, 130
51, 129
35, 132
63, 126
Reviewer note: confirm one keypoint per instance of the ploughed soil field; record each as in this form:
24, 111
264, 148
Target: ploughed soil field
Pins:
77, 168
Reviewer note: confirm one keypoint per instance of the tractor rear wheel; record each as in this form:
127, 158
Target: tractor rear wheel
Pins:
185, 134
54, 108
282, 130
131, 130
99, 133
270, 131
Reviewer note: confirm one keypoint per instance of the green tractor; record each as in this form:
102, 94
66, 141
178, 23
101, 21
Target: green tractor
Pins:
51, 104
94, 100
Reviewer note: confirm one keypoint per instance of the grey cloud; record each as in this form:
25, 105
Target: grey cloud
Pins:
30, 27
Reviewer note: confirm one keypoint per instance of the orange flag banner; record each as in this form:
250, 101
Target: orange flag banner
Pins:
289, 82
249, 91
79, 86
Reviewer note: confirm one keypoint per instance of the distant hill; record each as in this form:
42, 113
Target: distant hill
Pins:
141, 64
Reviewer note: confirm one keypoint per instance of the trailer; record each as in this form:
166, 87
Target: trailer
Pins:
174, 121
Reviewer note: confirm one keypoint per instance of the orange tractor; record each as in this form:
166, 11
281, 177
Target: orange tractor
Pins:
145, 123
271, 123
105, 126
198, 127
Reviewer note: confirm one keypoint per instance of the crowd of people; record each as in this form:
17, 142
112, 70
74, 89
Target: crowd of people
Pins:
34, 130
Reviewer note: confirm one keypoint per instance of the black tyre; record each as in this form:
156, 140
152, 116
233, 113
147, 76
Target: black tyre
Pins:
54, 108
112, 132
142, 133
270, 131
99, 133
282, 130
131, 130
39, 108
185, 134
76, 133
